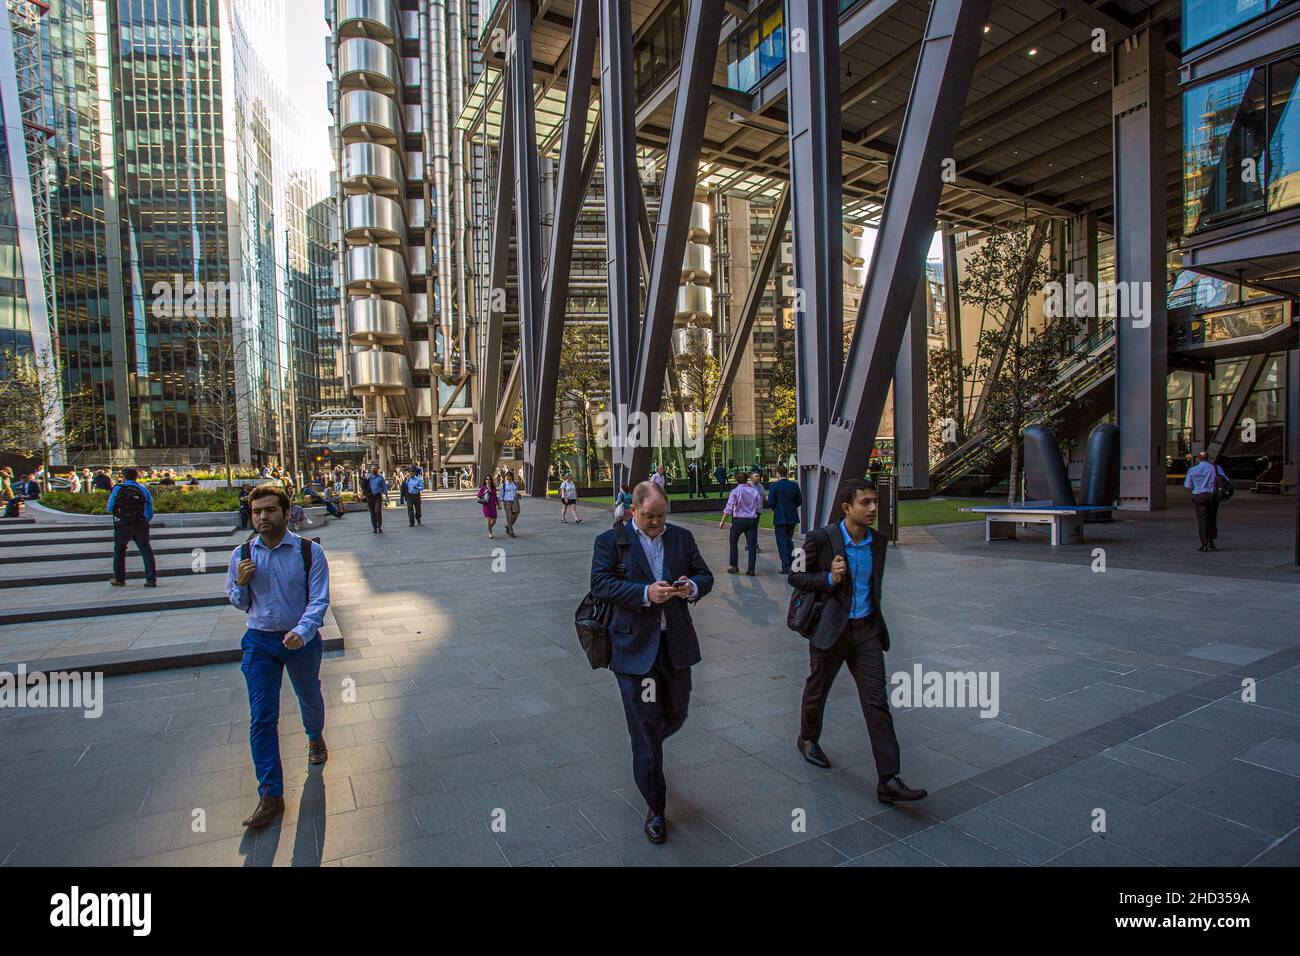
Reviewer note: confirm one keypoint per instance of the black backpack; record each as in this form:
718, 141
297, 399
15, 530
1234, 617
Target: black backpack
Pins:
1222, 486
129, 505
246, 554
591, 619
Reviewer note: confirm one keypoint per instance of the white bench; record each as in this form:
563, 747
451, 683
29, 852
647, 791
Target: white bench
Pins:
1000, 521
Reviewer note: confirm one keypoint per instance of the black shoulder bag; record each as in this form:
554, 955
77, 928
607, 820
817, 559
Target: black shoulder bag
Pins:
591, 619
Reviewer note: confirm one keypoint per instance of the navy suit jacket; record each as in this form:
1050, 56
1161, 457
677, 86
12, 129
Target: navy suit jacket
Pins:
783, 500
634, 629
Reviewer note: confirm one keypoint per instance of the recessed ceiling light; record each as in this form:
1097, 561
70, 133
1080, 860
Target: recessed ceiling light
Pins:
987, 28
1033, 51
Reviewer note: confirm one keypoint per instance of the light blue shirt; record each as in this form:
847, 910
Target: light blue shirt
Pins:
857, 554
654, 554
1200, 477
148, 498
415, 483
276, 598
377, 485
509, 491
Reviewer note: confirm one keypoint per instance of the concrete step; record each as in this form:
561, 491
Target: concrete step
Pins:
165, 570
76, 552
25, 538
70, 611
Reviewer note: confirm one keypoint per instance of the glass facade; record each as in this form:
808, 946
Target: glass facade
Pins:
170, 223
1203, 20
1241, 145
15, 325
758, 45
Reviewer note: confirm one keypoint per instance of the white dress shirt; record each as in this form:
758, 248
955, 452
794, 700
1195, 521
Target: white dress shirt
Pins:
654, 554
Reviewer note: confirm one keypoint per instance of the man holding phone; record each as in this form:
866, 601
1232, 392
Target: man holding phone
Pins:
653, 642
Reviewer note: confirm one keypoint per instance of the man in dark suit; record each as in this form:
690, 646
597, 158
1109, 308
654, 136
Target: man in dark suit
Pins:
847, 561
784, 500
653, 641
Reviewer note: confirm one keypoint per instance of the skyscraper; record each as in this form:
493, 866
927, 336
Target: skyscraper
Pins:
174, 145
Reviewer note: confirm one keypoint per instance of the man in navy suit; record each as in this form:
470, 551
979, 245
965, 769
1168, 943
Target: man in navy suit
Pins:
653, 641
846, 562
784, 500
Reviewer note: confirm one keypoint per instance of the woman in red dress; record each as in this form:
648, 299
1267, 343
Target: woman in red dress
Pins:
487, 497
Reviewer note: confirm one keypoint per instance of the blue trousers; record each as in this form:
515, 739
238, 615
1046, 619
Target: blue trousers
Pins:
265, 659
784, 544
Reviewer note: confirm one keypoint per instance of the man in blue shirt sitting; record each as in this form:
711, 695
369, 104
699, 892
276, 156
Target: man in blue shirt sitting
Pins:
282, 581
847, 561
131, 505
1205, 479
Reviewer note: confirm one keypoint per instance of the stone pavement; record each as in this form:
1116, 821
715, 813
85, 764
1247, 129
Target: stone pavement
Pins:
463, 699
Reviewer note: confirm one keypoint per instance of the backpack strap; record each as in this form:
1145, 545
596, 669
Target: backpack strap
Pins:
246, 554
305, 549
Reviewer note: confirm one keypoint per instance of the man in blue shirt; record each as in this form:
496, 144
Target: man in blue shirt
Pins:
1204, 479
846, 562
376, 487
286, 593
412, 487
131, 505
784, 500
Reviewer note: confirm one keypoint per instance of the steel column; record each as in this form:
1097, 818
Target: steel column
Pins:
943, 76
528, 231
816, 198
498, 271
1236, 405
748, 312
690, 110
911, 400
622, 187
952, 306
1083, 261
577, 165
1138, 128
1200, 412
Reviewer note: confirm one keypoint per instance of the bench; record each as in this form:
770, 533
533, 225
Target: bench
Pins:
1066, 522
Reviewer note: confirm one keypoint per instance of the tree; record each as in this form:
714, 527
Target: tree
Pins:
1018, 366
216, 386
38, 417
583, 384
942, 369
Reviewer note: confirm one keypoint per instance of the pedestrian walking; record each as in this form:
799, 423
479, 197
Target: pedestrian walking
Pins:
693, 480
622, 506
1210, 485
245, 516
569, 499
282, 581
131, 505
376, 497
743, 506
653, 643
720, 476
103, 481
487, 497
756, 479
784, 500
510, 502
845, 567
412, 488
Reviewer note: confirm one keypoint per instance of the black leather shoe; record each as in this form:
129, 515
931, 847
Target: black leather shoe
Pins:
317, 752
733, 570
656, 828
268, 808
893, 790
1212, 547
813, 753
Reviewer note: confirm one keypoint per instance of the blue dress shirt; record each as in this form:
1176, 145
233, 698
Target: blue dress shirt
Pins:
377, 485
858, 557
276, 598
653, 548
1200, 477
148, 498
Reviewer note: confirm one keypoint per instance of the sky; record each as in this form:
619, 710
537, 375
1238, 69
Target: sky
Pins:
305, 35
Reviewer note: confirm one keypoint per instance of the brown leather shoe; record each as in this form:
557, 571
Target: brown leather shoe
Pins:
268, 808
317, 752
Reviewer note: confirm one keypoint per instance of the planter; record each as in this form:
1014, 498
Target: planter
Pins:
182, 519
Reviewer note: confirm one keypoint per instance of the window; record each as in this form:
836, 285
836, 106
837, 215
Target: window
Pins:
1206, 19
1224, 131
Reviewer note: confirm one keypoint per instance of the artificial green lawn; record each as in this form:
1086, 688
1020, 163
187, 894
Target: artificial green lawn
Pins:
911, 513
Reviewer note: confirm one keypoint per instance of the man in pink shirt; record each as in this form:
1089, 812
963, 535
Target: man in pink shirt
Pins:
743, 507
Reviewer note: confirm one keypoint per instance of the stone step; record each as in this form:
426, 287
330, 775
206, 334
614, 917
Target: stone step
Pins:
89, 577
68, 552
143, 604
103, 534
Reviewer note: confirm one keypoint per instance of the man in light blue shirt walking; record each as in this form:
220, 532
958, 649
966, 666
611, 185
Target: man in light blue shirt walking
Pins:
282, 581
1205, 479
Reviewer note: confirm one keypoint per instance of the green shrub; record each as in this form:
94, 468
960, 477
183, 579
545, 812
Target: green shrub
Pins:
176, 500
